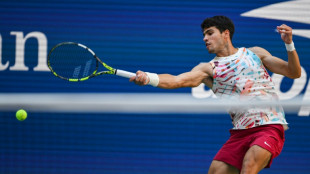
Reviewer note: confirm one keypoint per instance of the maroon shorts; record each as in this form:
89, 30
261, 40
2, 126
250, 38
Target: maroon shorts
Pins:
269, 137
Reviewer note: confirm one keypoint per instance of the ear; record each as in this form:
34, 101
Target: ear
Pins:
226, 34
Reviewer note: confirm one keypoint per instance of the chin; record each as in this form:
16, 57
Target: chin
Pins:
211, 51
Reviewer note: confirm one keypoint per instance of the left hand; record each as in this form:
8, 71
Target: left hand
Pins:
286, 33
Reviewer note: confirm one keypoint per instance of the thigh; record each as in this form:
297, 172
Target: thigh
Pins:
219, 167
255, 159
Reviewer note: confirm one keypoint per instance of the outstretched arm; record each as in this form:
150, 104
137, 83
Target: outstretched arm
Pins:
199, 74
290, 68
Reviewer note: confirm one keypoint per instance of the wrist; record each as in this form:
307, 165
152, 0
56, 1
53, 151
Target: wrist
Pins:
154, 79
290, 47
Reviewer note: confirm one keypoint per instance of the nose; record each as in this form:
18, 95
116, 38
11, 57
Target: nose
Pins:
205, 39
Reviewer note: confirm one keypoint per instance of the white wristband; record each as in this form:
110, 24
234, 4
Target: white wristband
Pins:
290, 47
154, 79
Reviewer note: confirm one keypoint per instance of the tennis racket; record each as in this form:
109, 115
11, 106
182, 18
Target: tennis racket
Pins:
75, 62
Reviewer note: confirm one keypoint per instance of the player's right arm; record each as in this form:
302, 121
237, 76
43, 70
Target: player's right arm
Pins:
202, 73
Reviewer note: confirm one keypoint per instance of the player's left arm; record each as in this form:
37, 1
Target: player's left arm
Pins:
290, 68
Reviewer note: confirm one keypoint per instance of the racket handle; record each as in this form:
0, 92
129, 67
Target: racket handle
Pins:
125, 74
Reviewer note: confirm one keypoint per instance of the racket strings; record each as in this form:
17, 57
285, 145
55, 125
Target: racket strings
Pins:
72, 61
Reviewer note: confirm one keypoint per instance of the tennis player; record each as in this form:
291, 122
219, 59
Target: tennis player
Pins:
239, 73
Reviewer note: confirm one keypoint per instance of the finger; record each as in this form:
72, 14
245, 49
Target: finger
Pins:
132, 79
285, 31
147, 79
138, 75
284, 28
140, 78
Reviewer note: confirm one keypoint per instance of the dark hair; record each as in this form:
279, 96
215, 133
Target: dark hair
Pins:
221, 23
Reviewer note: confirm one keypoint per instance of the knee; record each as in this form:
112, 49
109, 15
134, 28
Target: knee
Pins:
251, 166
212, 169
218, 167
248, 167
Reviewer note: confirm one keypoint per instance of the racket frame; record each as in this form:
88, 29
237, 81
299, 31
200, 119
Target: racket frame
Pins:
111, 70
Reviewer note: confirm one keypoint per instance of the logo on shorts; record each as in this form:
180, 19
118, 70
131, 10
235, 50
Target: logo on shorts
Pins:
267, 144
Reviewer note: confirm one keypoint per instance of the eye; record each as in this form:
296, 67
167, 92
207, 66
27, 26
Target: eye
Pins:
208, 32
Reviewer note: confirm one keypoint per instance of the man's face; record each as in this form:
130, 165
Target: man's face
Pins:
214, 39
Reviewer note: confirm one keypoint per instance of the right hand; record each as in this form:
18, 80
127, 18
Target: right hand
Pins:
141, 78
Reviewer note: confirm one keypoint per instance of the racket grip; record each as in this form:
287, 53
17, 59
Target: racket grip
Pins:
125, 74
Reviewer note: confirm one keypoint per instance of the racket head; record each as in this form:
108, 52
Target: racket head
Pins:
74, 62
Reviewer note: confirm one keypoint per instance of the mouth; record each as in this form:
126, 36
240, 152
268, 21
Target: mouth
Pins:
208, 44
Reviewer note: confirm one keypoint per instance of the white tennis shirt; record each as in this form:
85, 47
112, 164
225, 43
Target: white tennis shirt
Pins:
243, 77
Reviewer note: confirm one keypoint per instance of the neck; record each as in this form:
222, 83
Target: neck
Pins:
227, 50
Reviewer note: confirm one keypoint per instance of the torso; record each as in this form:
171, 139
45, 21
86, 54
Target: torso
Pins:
242, 75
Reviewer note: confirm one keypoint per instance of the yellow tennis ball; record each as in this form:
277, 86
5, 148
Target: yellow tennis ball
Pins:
21, 115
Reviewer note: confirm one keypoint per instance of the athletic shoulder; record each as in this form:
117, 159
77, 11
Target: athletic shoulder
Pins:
204, 67
259, 51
